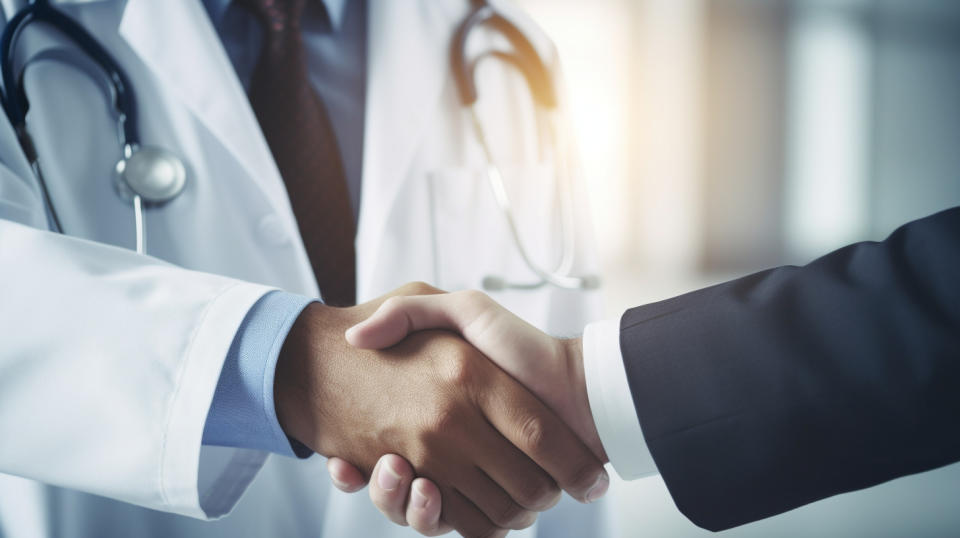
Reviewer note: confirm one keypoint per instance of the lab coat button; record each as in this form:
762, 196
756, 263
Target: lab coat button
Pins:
272, 231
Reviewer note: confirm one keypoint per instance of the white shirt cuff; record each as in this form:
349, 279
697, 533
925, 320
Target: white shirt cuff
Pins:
611, 402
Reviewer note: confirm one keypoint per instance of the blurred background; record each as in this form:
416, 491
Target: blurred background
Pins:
722, 137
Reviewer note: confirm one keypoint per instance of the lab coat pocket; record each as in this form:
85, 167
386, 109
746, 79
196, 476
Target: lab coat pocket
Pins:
471, 236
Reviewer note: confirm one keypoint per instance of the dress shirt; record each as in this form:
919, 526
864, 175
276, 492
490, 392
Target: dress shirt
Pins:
242, 414
335, 42
611, 401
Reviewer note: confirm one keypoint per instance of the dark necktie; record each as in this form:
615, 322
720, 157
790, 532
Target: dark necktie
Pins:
303, 143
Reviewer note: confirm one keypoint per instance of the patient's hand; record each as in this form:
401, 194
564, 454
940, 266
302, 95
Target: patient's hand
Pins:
551, 368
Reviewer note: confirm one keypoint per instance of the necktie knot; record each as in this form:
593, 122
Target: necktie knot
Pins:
279, 17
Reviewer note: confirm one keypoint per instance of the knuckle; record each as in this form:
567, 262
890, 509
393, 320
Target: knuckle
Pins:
474, 297
512, 516
538, 493
475, 303
417, 288
392, 303
533, 434
444, 419
458, 369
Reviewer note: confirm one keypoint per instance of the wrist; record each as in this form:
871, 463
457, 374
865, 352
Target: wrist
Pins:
572, 356
311, 374
295, 386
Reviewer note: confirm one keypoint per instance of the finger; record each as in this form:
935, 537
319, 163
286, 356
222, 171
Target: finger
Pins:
526, 483
345, 476
389, 486
494, 502
396, 318
423, 509
399, 316
527, 423
465, 517
414, 288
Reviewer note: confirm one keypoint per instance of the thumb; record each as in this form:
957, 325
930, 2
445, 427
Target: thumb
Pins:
399, 316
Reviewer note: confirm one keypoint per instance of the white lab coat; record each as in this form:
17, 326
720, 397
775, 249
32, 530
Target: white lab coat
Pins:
109, 360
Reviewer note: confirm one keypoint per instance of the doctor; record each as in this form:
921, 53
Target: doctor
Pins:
104, 348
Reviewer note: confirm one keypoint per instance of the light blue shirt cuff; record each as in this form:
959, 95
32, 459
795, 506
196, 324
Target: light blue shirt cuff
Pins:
242, 413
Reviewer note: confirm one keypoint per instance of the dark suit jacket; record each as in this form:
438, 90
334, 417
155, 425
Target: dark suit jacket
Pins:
778, 389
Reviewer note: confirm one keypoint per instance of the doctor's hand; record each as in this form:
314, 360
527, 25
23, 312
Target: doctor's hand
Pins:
491, 449
551, 368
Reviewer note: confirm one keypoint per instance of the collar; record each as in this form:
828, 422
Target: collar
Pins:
335, 8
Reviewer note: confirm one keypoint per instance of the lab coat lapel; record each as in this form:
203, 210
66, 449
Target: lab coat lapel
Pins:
407, 67
177, 42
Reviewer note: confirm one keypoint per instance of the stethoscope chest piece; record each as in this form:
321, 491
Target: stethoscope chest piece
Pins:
146, 175
154, 174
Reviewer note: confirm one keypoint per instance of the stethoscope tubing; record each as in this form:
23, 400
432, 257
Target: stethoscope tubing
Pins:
567, 244
15, 103
143, 175
526, 59
537, 76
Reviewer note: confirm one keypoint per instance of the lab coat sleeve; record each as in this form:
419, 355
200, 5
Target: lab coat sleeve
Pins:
108, 365
242, 414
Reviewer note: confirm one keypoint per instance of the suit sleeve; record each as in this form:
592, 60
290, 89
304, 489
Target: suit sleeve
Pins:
791, 385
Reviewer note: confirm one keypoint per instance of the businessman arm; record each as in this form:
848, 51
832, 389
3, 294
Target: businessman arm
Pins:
772, 391
775, 390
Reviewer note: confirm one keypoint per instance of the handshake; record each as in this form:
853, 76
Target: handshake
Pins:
756, 395
461, 415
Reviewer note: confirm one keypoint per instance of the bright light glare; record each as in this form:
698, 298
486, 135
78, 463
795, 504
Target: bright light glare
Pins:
631, 71
596, 82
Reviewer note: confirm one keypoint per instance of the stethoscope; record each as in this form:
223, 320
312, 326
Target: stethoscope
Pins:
525, 58
150, 176
146, 176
